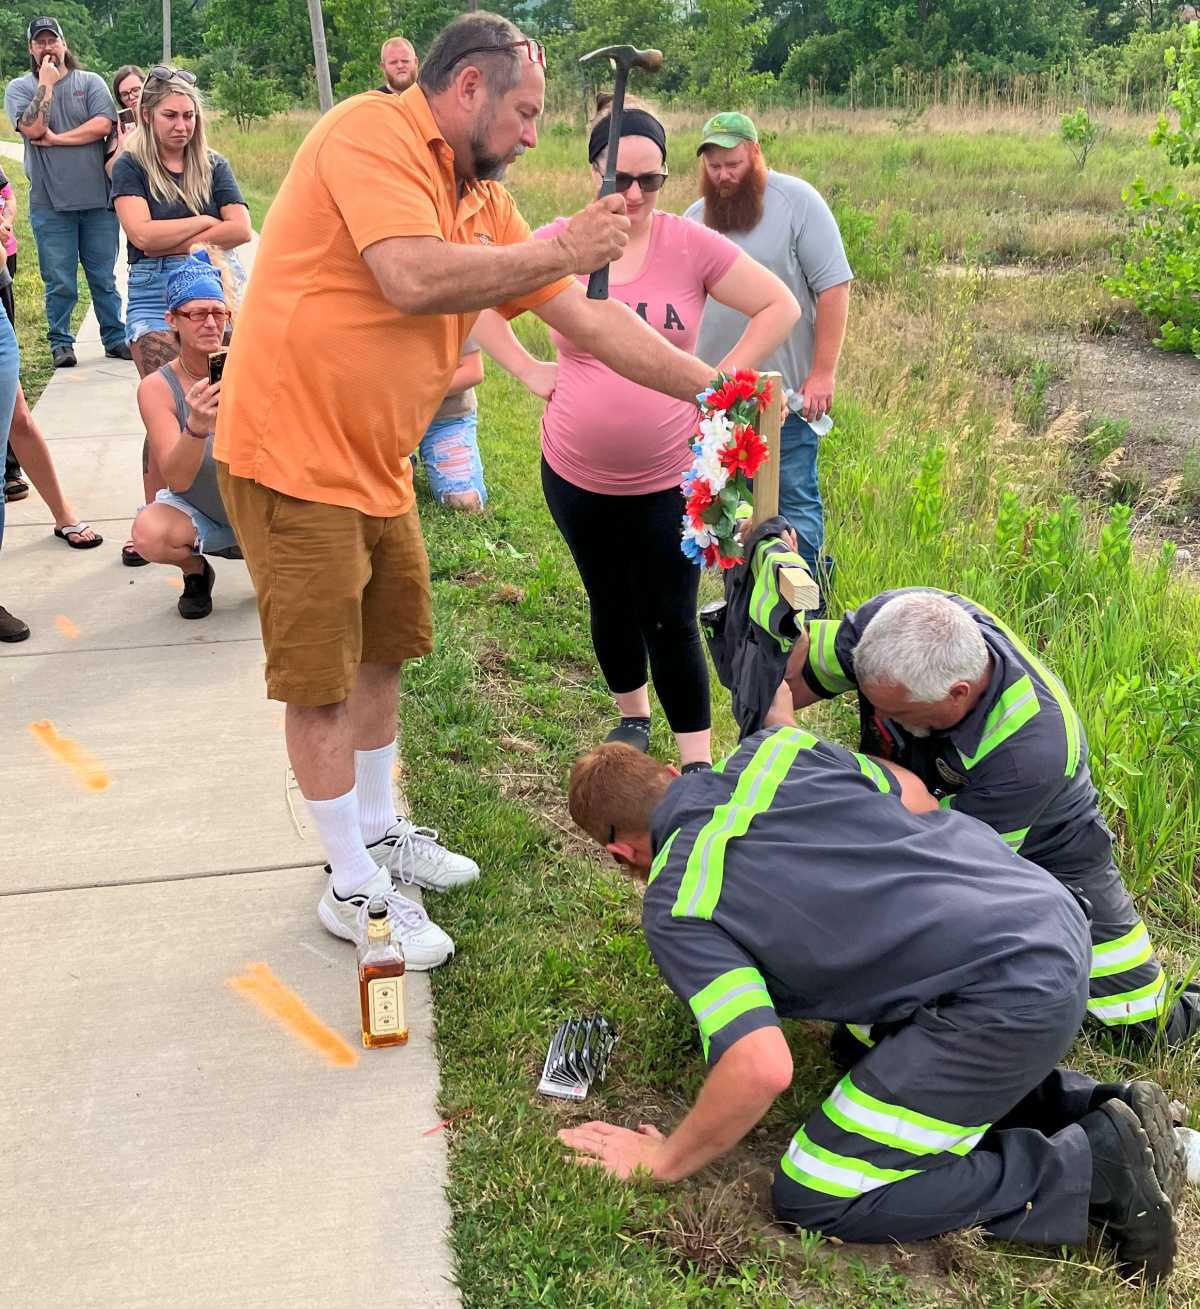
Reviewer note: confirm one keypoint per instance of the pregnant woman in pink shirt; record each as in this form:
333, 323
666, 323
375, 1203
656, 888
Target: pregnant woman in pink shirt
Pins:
613, 453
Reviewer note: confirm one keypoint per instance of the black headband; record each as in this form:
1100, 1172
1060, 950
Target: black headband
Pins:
634, 122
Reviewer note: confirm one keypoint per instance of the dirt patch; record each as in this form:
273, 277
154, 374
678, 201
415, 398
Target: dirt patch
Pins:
1127, 380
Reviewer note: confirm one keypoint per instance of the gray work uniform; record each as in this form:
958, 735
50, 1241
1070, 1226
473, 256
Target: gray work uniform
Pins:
791, 882
1018, 762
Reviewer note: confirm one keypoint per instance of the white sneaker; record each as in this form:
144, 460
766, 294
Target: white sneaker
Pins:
424, 943
412, 855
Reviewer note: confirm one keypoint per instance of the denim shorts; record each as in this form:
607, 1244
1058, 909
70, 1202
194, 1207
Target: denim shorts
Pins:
212, 538
450, 452
146, 294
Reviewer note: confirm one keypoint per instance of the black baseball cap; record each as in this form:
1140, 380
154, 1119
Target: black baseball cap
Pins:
43, 25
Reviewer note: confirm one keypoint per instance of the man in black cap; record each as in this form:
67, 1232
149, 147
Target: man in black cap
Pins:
65, 116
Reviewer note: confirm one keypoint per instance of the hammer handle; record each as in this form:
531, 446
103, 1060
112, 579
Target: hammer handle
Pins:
597, 288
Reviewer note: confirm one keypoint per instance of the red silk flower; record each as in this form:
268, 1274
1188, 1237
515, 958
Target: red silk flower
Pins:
746, 454
700, 499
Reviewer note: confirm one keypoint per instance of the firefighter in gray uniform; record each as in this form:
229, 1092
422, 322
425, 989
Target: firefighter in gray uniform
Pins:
792, 880
949, 691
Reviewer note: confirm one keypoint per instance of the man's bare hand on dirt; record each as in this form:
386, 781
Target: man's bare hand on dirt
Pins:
618, 1150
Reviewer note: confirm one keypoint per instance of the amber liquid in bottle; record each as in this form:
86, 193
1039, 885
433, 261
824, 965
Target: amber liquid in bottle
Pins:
381, 984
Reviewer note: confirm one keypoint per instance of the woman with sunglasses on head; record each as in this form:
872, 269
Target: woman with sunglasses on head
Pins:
127, 87
169, 191
178, 404
613, 453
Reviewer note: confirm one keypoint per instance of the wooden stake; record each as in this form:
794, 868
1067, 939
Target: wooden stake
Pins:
795, 584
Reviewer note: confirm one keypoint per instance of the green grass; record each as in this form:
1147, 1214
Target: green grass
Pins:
938, 472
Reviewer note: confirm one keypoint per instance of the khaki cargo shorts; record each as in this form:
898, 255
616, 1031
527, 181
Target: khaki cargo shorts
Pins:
335, 588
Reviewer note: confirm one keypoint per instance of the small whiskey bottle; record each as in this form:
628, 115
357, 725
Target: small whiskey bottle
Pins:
381, 981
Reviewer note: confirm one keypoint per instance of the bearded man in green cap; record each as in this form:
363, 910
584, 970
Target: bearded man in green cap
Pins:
783, 223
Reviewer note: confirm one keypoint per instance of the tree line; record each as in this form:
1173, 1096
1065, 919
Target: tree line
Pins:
717, 51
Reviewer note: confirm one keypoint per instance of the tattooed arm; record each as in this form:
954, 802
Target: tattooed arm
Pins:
32, 123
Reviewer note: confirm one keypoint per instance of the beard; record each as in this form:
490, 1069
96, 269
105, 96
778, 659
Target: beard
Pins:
488, 167
399, 84
738, 208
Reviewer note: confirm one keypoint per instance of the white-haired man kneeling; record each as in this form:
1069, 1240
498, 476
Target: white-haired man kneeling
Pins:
949, 691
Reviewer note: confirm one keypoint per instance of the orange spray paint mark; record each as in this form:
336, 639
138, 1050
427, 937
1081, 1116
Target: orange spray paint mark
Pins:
176, 582
81, 762
66, 627
267, 993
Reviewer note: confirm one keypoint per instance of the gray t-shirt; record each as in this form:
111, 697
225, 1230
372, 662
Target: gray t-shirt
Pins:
797, 238
65, 177
204, 493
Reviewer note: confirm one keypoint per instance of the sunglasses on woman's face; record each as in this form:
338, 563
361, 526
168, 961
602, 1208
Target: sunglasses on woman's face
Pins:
647, 182
166, 74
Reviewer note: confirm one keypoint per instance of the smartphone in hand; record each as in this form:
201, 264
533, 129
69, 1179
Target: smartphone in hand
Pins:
125, 119
216, 365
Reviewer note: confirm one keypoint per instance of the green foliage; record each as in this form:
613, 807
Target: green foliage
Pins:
725, 37
246, 95
1081, 134
1163, 275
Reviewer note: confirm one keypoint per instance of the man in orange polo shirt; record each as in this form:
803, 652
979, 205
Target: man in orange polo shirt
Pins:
387, 237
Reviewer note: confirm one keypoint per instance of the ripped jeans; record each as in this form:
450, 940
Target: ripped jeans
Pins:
450, 453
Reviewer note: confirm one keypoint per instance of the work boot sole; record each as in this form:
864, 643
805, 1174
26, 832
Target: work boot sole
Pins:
1145, 1239
1149, 1101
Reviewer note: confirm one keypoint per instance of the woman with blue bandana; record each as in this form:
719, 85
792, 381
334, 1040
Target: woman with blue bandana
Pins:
178, 404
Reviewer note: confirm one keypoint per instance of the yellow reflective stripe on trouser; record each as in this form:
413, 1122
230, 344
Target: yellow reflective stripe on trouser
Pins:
811, 1165
861, 1033
728, 997
853, 1110
822, 655
700, 887
1124, 953
1014, 840
1140, 1006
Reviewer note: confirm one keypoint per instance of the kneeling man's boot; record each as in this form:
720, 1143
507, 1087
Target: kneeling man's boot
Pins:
1126, 1200
1183, 1022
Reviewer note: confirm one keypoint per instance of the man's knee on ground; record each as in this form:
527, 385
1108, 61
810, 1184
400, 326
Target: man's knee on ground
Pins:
468, 501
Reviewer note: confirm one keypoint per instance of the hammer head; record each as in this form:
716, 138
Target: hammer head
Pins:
626, 57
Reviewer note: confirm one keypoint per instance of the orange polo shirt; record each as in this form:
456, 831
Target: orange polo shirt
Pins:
328, 388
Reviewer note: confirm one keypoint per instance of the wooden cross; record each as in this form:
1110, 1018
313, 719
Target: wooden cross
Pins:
795, 584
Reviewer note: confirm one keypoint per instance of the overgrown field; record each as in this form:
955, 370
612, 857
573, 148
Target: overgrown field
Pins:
948, 466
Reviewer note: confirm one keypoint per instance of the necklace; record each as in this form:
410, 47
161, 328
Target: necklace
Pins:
196, 377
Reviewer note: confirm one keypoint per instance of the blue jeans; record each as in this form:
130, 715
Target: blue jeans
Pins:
799, 495
450, 452
66, 239
10, 374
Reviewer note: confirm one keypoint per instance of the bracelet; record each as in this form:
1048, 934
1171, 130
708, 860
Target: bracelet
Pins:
199, 436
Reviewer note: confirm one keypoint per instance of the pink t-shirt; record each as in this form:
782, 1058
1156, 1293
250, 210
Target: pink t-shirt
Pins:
6, 196
609, 435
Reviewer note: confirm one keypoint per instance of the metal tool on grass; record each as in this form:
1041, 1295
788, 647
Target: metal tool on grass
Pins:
622, 58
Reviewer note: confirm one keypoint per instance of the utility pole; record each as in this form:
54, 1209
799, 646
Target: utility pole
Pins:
320, 55
166, 32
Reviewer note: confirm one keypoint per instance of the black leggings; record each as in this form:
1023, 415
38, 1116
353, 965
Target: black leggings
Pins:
642, 590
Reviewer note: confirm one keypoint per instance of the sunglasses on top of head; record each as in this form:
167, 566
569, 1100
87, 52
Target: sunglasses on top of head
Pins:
165, 74
534, 50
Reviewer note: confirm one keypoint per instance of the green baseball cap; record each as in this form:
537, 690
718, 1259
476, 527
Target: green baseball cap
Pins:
727, 130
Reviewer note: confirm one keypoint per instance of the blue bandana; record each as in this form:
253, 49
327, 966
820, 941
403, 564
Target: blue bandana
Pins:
196, 279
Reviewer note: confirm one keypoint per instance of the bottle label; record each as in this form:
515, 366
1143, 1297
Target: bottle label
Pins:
385, 998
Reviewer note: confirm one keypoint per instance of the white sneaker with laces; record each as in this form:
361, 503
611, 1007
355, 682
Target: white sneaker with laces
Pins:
412, 855
424, 943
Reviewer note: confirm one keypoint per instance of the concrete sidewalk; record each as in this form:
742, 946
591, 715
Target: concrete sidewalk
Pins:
162, 1140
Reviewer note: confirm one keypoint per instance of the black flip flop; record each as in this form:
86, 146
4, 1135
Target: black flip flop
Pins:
77, 529
130, 557
15, 488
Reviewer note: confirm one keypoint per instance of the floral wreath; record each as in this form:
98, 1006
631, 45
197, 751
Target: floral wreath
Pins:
728, 452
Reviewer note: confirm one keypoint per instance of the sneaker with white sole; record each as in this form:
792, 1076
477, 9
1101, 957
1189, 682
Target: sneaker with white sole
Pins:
424, 943
413, 856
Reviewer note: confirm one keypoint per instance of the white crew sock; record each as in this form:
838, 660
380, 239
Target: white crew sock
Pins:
337, 826
373, 771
